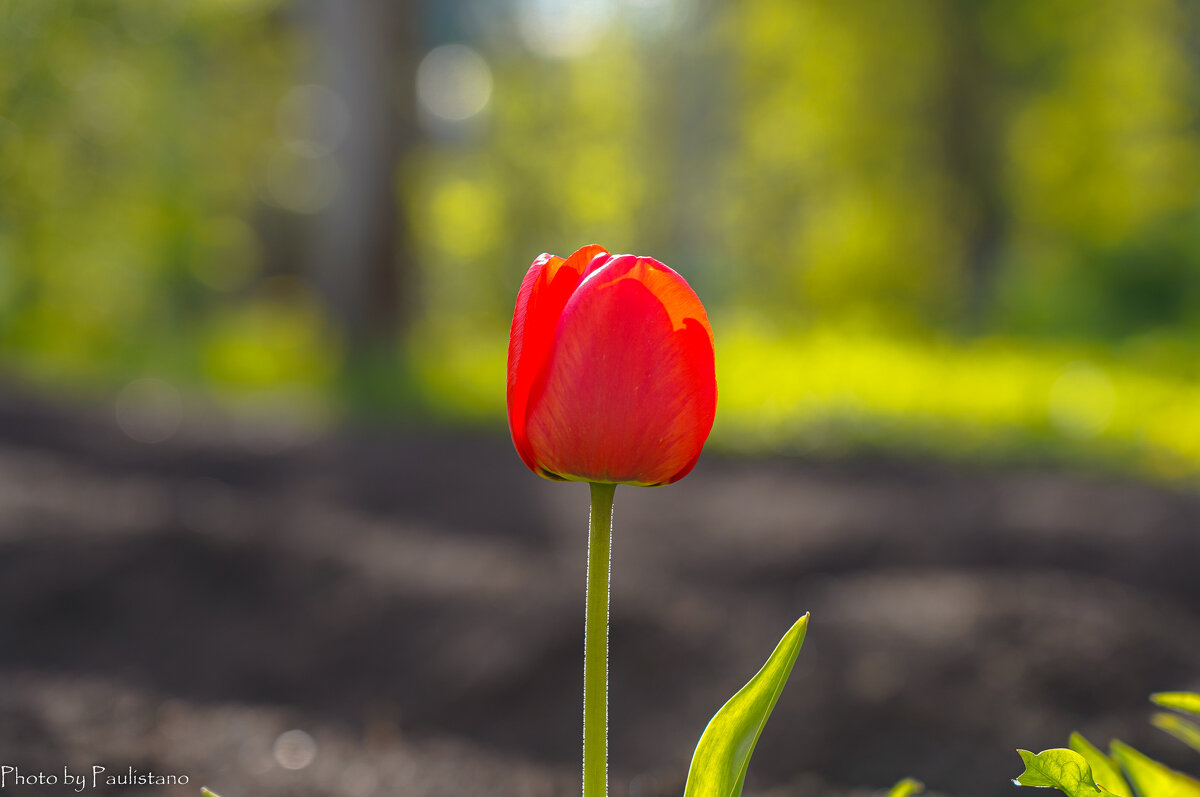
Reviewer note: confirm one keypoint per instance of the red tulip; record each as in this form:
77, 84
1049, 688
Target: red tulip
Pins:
610, 370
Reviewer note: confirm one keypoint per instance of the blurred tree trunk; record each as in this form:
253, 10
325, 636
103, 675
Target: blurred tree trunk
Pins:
363, 260
972, 134
694, 105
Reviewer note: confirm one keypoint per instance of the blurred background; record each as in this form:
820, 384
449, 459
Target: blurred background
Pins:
257, 265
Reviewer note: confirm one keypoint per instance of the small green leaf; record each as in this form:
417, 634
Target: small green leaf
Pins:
1104, 769
723, 753
1059, 768
1150, 778
907, 788
1181, 701
207, 792
1183, 730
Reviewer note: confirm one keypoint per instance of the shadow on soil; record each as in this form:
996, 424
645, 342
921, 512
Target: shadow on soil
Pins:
414, 601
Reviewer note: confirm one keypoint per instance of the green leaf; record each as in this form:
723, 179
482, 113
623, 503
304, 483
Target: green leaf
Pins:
723, 753
207, 792
1104, 769
1183, 730
1150, 778
907, 788
1181, 701
1058, 768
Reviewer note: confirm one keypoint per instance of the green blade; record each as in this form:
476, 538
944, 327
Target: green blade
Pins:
907, 788
207, 792
1106, 771
723, 753
1150, 778
1058, 768
1181, 729
1180, 701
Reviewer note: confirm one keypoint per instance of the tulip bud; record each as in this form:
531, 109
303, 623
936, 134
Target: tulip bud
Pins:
610, 370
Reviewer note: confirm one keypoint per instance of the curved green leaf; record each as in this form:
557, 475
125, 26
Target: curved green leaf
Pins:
207, 792
1181, 729
907, 788
723, 753
1150, 778
1181, 701
1059, 768
1106, 771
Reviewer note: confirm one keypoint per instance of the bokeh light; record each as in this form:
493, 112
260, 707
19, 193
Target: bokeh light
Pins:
149, 410
563, 28
1082, 400
312, 120
294, 749
453, 82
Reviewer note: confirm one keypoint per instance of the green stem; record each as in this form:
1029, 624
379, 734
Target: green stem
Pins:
595, 644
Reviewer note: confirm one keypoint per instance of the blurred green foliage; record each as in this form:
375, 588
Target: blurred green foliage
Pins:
130, 137
964, 225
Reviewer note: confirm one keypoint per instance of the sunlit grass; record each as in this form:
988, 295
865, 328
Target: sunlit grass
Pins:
831, 391
826, 390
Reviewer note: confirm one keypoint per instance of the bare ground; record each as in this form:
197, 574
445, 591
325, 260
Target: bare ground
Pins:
413, 601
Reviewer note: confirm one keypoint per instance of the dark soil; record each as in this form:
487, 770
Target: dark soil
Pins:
414, 602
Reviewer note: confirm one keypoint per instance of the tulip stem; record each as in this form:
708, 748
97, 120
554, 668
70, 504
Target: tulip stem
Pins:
595, 644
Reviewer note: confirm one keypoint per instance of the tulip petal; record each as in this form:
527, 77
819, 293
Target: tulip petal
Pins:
547, 286
628, 391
